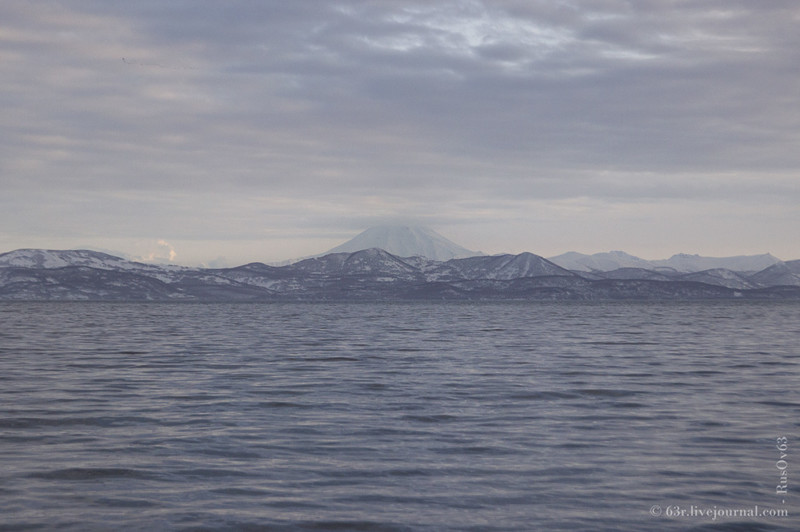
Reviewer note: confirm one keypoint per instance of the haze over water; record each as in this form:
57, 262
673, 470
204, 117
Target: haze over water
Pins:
427, 416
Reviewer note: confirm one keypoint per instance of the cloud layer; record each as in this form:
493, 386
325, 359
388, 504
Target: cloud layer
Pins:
268, 129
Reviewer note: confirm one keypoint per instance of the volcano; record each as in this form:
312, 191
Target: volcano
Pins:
406, 241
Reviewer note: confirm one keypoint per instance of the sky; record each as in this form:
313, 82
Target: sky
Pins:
223, 132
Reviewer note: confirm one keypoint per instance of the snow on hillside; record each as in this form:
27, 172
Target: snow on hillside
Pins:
720, 277
780, 274
405, 241
634, 273
44, 258
503, 267
367, 261
50, 259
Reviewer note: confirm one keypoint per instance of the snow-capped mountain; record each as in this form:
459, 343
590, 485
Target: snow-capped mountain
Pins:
50, 259
45, 258
405, 241
783, 273
502, 267
721, 277
362, 262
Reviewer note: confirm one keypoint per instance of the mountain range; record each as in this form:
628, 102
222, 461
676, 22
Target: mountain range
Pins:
373, 274
410, 241
398, 263
682, 263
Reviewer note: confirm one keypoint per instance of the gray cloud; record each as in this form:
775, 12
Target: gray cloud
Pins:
242, 120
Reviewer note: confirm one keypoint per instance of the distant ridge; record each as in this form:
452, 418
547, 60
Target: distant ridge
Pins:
406, 241
603, 262
52, 258
682, 262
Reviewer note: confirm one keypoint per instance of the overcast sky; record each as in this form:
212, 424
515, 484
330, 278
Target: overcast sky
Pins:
234, 131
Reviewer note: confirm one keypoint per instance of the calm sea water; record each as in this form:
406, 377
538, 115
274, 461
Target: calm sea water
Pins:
399, 416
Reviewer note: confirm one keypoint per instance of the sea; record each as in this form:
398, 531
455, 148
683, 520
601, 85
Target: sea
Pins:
400, 416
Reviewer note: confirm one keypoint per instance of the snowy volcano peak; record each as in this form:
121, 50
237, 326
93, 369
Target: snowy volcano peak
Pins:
406, 241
